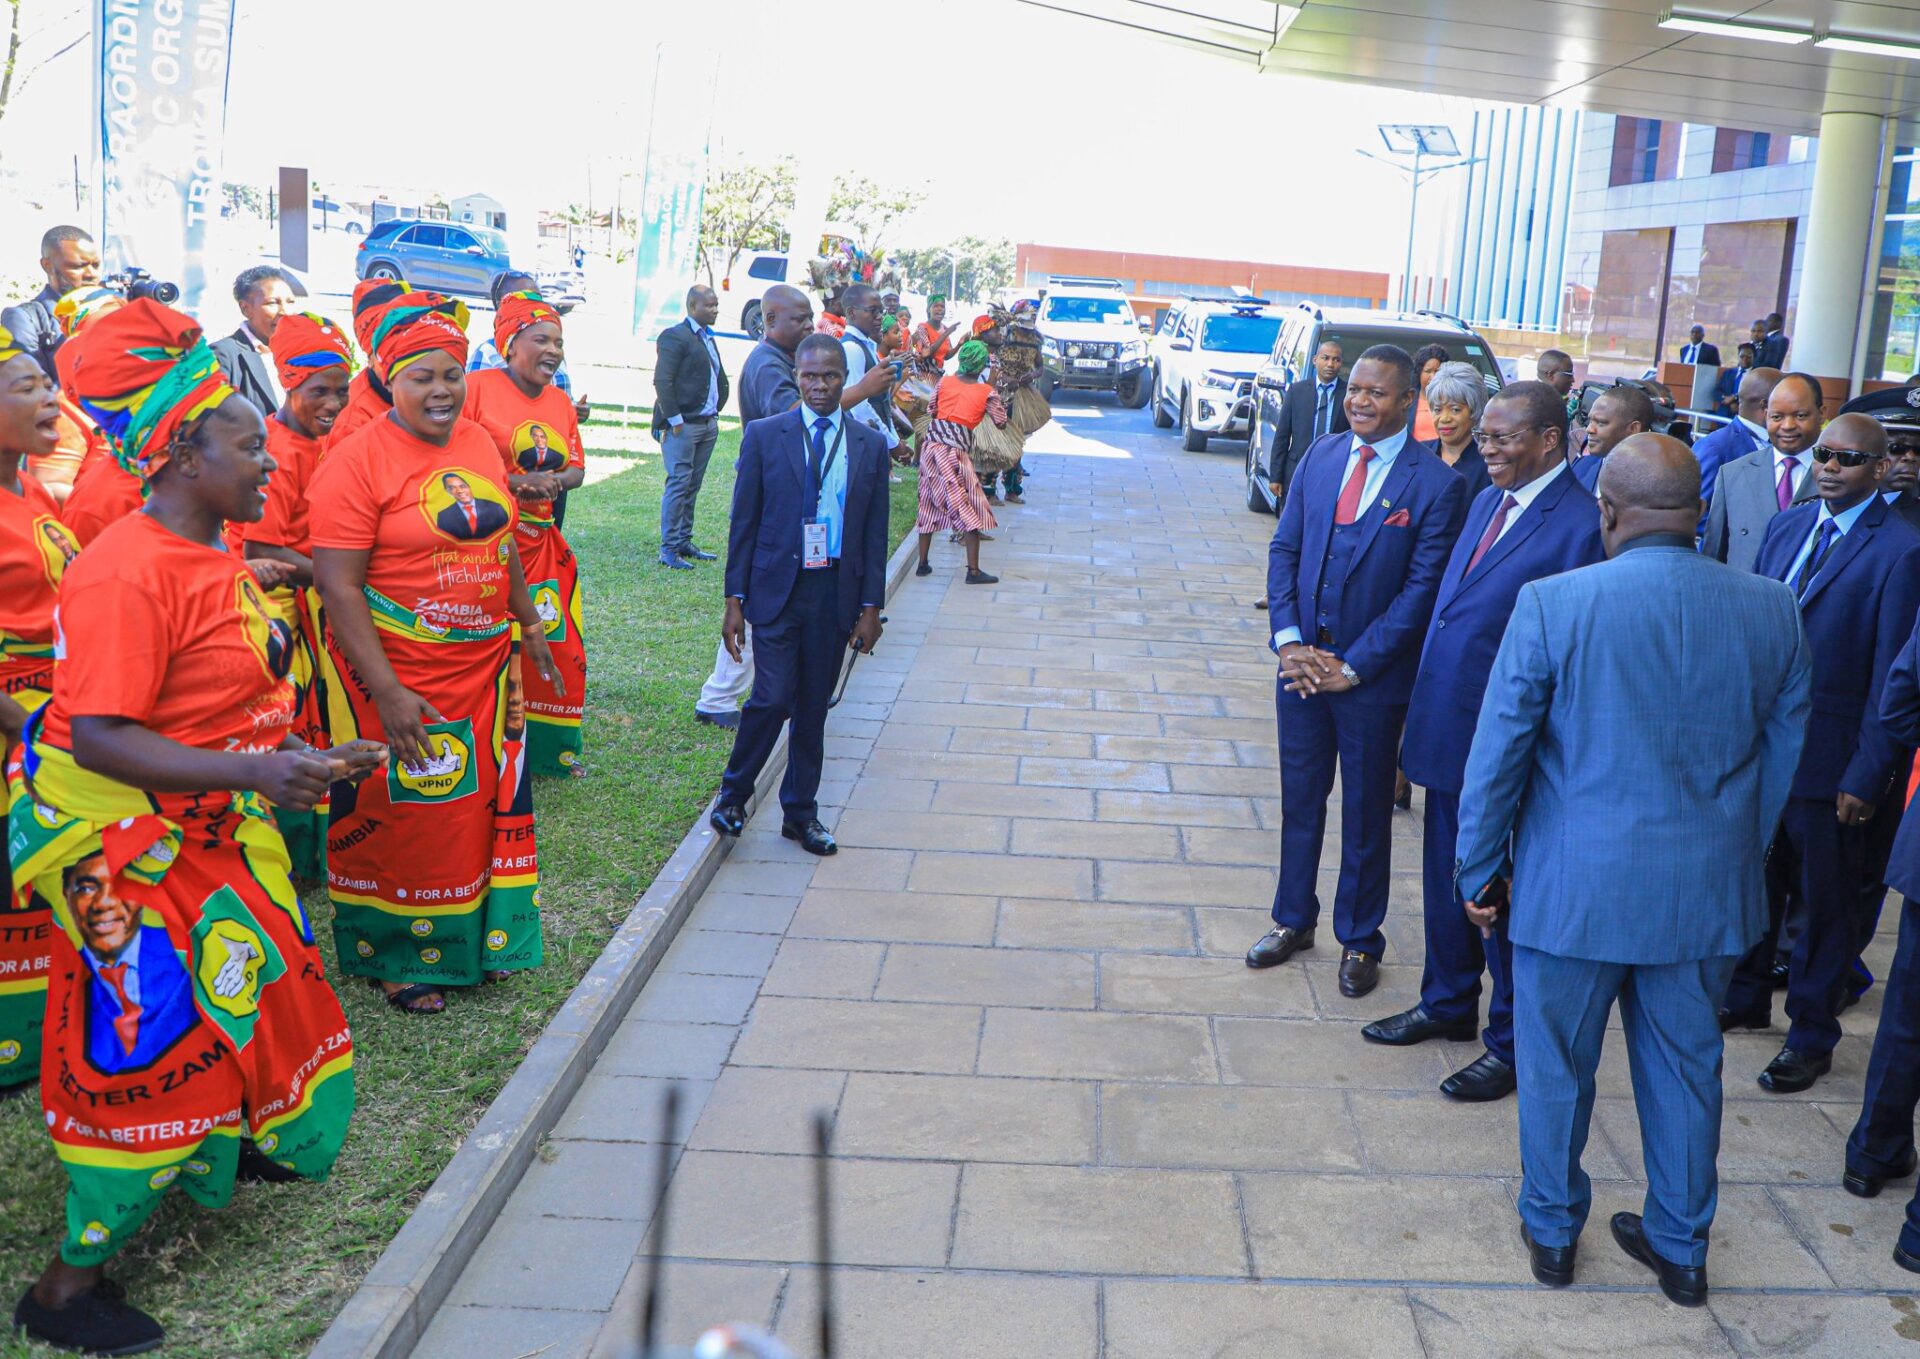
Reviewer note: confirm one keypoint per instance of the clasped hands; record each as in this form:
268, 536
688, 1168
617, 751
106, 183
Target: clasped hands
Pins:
1310, 670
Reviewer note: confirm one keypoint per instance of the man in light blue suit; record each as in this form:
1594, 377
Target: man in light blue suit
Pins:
1634, 837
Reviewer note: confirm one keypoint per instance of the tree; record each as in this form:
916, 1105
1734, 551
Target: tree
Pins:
979, 267
870, 208
21, 66
745, 207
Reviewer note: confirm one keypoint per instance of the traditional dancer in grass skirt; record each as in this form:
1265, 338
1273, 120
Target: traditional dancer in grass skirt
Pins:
35, 550
186, 1010
314, 360
950, 494
432, 868
533, 423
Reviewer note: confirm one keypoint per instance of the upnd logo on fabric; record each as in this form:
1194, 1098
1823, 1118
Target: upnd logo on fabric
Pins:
447, 774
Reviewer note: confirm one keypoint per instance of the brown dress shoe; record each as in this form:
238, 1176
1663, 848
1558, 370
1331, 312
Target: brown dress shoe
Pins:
1359, 973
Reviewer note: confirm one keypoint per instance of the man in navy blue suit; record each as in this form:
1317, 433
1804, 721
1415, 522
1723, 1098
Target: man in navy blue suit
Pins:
1618, 414
139, 1000
806, 566
1881, 1147
1854, 566
1351, 577
1536, 520
1632, 833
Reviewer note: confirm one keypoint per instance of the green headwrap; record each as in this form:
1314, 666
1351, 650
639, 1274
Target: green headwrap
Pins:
937, 300
888, 323
973, 357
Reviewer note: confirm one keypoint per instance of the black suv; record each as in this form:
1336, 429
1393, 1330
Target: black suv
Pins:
1356, 329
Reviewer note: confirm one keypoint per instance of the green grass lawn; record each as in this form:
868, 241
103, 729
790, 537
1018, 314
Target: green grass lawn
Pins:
266, 1275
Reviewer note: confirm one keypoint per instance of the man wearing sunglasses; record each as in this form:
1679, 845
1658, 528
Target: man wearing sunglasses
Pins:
1901, 489
1536, 520
1854, 567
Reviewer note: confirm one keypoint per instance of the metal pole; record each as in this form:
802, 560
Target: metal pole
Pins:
1413, 215
953, 275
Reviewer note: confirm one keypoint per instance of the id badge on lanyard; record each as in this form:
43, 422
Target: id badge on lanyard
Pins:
813, 529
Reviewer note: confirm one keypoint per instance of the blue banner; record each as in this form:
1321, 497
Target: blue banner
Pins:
673, 186
162, 77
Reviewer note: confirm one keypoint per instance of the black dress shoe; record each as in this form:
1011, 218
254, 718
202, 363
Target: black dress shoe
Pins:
812, 836
1906, 1260
1484, 1079
731, 721
98, 1321
729, 818
1277, 945
698, 554
1757, 1019
1683, 1284
1863, 1186
1417, 1026
1791, 1072
1359, 973
1552, 1265
1777, 974
674, 562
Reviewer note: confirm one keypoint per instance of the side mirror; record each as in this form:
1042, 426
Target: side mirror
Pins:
475, 250
1183, 345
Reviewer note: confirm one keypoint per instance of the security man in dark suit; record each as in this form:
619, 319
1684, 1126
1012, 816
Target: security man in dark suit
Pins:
689, 391
1312, 408
1352, 573
1696, 350
806, 566
1854, 566
1537, 519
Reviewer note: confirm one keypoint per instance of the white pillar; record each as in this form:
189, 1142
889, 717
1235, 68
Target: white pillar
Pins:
1839, 231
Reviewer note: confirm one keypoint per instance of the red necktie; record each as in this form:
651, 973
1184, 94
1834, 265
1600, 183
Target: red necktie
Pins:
1348, 509
473, 520
127, 1023
1492, 534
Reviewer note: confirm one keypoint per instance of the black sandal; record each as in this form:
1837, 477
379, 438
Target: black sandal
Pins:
403, 999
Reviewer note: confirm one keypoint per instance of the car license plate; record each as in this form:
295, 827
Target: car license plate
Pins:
1089, 363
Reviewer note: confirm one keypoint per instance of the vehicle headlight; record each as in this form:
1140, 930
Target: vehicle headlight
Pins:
1073, 351
1214, 378
1050, 348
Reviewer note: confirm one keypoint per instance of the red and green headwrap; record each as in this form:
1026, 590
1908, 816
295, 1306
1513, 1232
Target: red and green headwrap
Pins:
304, 344
144, 373
371, 298
419, 323
80, 306
515, 313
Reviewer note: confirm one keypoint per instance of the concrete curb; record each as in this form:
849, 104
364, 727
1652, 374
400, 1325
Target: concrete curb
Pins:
397, 1301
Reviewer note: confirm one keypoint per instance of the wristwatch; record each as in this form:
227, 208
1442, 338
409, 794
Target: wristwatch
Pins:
1352, 675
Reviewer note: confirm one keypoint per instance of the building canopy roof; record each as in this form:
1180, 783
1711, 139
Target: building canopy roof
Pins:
1610, 56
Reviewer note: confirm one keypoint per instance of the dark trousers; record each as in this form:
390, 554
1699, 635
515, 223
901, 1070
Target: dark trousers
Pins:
1883, 1138
1456, 952
796, 662
1320, 733
1826, 865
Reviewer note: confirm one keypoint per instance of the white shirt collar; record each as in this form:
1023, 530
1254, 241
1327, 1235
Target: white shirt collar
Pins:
253, 338
1384, 450
1759, 431
807, 418
1845, 520
1804, 458
1525, 495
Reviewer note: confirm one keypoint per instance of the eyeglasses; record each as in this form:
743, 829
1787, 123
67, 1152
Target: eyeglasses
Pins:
1501, 442
1846, 457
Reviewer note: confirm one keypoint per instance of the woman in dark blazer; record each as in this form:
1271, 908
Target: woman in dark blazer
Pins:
1456, 395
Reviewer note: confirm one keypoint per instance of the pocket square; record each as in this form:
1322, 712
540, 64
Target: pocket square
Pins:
1399, 519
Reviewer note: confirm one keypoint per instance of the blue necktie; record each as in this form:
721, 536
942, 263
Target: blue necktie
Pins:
1822, 541
817, 463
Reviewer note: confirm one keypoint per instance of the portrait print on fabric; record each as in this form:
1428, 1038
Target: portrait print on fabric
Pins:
463, 505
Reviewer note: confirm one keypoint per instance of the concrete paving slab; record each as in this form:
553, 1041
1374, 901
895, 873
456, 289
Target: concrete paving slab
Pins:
1252, 1321
1084, 1220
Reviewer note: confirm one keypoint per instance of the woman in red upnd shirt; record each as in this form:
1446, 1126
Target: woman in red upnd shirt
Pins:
432, 869
533, 424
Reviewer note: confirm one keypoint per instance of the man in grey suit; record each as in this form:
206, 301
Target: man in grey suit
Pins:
1636, 838
1774, 477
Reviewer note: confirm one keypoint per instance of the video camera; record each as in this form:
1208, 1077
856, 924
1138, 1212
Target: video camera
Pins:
134, 283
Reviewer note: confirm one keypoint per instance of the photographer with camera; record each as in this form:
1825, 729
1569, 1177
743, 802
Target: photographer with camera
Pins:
263, 295
69, 259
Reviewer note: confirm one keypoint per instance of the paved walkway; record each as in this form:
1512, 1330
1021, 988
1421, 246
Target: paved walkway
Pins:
1071, 1124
